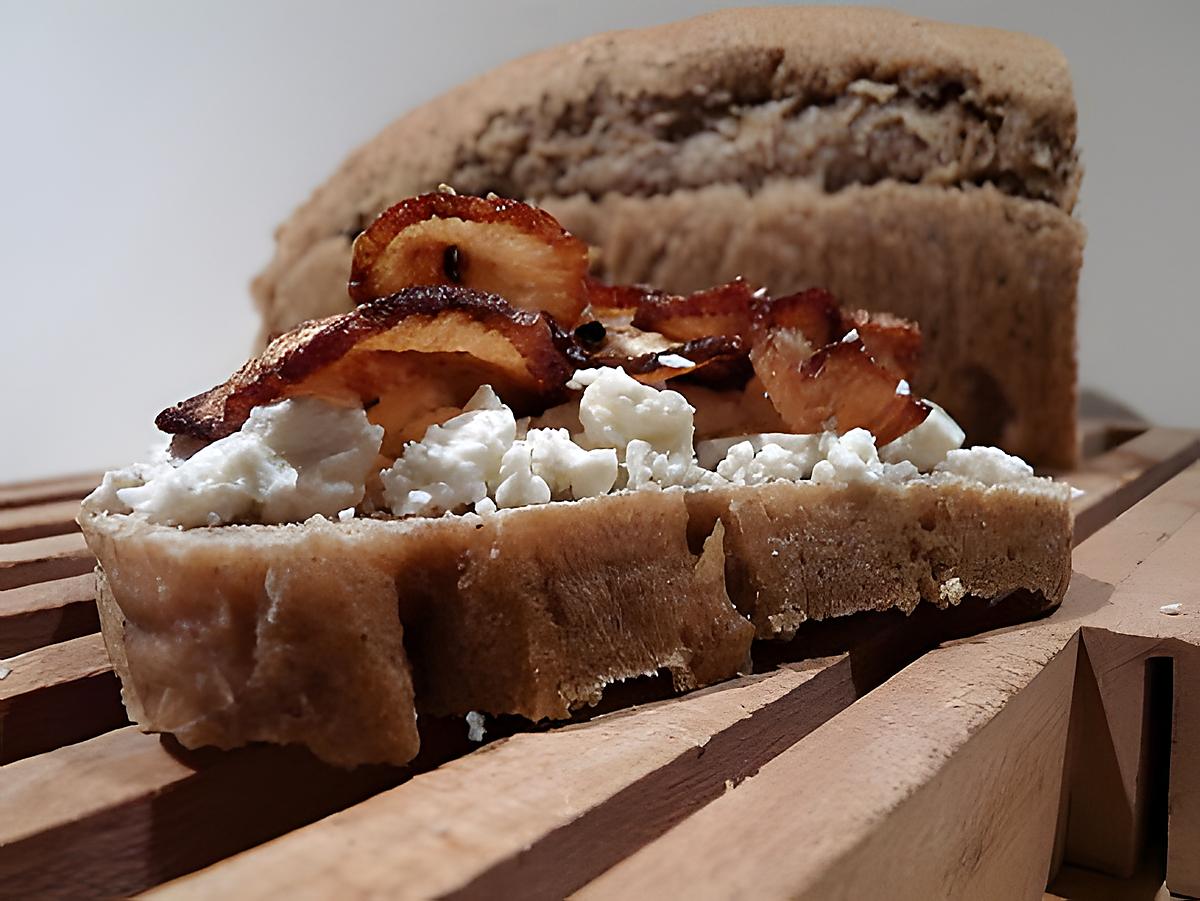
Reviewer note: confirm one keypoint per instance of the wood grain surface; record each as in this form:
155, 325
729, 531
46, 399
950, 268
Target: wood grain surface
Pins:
43, 613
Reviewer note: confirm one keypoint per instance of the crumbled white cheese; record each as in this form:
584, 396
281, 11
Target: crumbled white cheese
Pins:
826, 458
456, 463
851, 458
650, 429
646, 467
567, 468
927, 445
518, 485
290, 460
304, 456
952, 591
475, 730
547, 464
904, 390
675, 361
987, 465
850, 337
769, 457
616, 409
1171, 609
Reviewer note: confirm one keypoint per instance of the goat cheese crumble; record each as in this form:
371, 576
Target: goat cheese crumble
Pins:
289, 460
456, 464
305, 456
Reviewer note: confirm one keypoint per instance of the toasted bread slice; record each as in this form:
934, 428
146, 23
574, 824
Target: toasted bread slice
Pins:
335, 634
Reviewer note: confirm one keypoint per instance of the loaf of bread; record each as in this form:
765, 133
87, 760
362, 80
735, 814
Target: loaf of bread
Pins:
906, 165
336, 634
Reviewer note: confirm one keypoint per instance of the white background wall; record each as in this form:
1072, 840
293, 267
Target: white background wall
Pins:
149, 148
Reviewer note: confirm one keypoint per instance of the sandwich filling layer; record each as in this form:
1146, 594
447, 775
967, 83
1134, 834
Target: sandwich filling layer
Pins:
305, 456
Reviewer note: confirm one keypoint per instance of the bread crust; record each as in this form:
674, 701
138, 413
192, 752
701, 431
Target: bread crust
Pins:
334, 634
808, 53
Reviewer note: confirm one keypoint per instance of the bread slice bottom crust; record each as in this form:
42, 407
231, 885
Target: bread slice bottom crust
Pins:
334, 635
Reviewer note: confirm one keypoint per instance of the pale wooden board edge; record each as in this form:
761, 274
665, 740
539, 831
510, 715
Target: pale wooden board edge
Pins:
44, 613
43, 559
1123, 475
111, 815
38, 521
615, 775
16, 494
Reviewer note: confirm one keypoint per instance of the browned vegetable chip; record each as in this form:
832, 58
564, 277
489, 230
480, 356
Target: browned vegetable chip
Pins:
894, 343
406, 357
837, 386
726, 310
497, 246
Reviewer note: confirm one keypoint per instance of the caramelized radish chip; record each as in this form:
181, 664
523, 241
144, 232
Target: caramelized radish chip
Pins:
838, 386
814, 313
724, 310
496, 246
894, 343
650, 357
619, 302
412, 358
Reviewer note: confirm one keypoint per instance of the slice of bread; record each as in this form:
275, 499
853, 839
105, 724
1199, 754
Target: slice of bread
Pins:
907, 165
335, 634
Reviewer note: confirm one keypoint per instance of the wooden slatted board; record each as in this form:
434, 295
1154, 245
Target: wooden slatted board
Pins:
916, 763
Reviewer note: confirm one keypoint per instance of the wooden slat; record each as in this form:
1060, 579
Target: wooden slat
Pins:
47, 612
38, 520
936, 785
535, 835
114, 814
43, 490
1117, 479
963, 751
965, 774
43, 559
56, 696
621, 772
1098, 436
